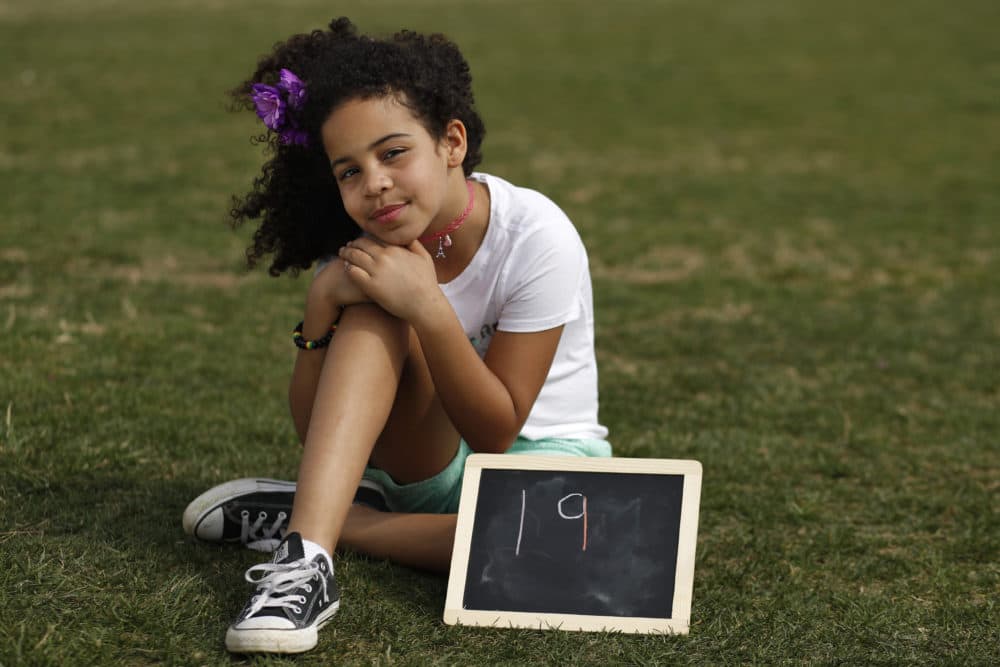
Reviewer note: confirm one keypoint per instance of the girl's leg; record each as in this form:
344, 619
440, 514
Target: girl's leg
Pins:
418, 439
374, 400
423, 541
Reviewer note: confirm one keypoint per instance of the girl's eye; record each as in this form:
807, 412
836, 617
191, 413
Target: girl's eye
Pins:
393, 152
347, 173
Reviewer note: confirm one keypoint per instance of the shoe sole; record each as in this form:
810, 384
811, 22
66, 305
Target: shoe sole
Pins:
219, 495
262, 640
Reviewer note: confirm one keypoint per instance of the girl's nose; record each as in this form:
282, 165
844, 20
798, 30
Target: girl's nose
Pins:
377, 182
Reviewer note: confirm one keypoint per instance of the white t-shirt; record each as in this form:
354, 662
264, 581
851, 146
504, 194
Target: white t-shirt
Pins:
531, 274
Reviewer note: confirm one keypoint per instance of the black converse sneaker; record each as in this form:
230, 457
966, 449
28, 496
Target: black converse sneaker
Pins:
254, 512
295, 597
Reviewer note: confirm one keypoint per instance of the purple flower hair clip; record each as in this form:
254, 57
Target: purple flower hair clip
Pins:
270, 106
293, 85
273, 103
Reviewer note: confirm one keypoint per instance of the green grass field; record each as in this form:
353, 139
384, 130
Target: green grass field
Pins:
792, 209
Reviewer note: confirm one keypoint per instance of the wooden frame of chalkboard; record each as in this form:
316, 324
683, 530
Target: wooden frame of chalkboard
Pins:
567, 543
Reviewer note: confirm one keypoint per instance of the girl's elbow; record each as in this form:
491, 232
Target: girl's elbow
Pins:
497, 441
495, 434
497, 446
490, 446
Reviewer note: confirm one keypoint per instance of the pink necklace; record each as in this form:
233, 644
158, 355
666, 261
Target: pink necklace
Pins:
444, 236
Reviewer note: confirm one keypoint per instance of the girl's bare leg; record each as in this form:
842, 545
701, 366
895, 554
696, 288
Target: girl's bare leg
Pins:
422, 541
374, 401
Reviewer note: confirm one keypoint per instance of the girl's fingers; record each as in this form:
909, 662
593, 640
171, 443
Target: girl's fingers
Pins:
418, 247
356, 257
358, 276
371, 246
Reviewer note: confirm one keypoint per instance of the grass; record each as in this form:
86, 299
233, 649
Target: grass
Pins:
792, 214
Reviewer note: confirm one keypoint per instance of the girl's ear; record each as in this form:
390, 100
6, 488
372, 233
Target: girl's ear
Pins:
455, 142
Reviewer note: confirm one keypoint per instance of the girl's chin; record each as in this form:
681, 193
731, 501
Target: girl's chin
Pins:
399, 236
400, 233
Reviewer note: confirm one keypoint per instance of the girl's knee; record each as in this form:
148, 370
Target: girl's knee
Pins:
372, 317
365, 311
365, 324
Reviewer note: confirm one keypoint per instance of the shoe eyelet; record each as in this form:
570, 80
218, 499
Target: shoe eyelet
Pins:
262, 514
309, 589
297, 610
245, 513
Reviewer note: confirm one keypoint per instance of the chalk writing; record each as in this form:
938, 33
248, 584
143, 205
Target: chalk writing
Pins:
582, 514
559, 509
520, 530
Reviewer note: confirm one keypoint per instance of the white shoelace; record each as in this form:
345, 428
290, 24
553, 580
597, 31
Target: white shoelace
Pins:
280, 578
257, 532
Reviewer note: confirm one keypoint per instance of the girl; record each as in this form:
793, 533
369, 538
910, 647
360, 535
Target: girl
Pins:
451, 314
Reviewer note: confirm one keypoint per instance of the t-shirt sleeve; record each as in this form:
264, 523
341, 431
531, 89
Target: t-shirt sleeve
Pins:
542, 281
321, 264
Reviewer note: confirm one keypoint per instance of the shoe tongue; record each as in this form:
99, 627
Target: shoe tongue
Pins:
289, 550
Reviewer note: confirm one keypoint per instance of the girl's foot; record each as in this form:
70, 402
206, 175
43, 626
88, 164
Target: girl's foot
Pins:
295, 597
254, 512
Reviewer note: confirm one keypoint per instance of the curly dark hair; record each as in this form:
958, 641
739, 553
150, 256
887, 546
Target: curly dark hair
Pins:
302, 217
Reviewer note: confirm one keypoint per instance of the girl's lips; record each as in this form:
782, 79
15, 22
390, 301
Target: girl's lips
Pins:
388, 213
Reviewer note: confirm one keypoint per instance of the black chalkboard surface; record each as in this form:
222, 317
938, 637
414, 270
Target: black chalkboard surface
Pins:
573, 543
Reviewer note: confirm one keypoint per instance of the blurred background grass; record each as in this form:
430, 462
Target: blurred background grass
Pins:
791, 209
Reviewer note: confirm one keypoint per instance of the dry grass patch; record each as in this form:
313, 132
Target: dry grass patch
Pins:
166, 269
660, 264
612, 362
87, 158
15, 291
725, 313
69, 330
15, 255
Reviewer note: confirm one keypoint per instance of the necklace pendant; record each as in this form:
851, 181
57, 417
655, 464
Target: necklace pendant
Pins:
444, 236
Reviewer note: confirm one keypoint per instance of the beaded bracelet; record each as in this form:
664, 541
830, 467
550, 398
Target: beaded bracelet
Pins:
304, 344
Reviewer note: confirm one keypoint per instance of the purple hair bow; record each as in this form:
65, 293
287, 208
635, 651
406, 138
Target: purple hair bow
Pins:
273, 102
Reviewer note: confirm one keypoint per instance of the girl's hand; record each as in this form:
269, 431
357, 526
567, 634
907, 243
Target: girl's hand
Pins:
330, 291
401, 279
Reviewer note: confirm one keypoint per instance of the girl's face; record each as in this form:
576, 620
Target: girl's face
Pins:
393, 176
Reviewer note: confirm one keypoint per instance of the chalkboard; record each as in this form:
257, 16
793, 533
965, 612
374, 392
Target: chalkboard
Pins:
575, 543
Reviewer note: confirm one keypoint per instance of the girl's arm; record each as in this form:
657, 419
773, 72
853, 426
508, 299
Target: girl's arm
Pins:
328, 293
488, 400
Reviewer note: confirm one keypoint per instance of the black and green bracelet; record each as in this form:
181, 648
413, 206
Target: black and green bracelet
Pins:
304, 343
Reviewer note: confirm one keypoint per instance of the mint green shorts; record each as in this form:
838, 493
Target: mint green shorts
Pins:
440, 493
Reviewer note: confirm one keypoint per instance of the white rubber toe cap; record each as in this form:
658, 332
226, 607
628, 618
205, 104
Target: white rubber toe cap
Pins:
208, 527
